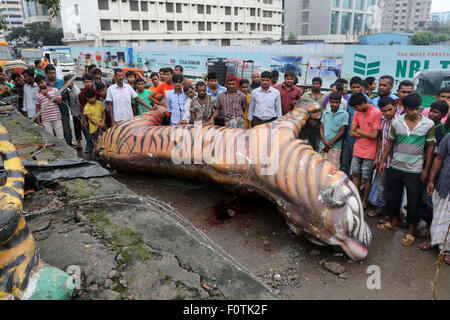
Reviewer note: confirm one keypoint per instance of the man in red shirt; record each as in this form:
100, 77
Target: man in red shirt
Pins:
289, 92
365, 128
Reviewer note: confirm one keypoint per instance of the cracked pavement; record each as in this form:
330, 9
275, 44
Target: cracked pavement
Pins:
120, 250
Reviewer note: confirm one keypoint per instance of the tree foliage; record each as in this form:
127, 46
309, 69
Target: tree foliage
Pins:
52, 5
422, 38
37, 32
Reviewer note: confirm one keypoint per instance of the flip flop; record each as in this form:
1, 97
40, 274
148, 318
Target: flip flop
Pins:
408, 240
386, 226
425, 246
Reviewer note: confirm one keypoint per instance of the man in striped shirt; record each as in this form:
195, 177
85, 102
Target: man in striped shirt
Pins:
411, 134
50, 117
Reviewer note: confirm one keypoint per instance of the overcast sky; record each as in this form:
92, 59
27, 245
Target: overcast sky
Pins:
440, 5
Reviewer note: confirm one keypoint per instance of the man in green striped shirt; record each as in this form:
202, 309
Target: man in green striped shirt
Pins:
411, 134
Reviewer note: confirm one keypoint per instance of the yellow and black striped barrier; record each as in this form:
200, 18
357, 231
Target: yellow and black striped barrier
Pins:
23, 275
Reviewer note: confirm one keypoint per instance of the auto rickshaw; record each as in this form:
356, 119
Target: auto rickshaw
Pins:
15, 66
427, 83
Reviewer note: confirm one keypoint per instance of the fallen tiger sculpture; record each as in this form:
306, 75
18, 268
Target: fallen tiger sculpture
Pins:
316, 199
23, 275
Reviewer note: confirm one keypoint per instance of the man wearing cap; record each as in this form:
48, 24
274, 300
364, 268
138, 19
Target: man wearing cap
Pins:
232, 103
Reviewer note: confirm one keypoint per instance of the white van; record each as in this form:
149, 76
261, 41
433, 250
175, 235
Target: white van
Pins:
65, 60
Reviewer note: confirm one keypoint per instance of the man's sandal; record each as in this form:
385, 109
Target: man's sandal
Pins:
408, 240
386, 226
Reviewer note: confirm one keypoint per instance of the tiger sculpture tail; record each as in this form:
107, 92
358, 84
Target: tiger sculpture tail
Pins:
315, 198
23, 275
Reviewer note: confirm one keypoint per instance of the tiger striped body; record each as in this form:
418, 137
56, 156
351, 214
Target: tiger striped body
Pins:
269, 160
20, 265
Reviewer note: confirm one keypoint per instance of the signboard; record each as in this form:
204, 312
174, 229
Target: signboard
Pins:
285, 63
402, 62
328, 62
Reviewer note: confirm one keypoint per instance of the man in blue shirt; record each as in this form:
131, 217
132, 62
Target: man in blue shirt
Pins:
214, 88
54, 82
175, 100
385, 86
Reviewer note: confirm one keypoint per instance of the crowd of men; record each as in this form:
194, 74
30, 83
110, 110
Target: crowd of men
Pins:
384, 142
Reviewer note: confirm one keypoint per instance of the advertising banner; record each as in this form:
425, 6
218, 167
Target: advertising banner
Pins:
402, 62
307, 61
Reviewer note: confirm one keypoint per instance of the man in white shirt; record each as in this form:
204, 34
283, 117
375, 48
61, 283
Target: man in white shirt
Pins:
29, 92
265, 103
59, 73
119, 98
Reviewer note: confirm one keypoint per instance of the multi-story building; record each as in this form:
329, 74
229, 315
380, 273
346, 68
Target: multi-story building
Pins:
13, 15
331, 21
171, 22
36, 12
440, 17
405, 15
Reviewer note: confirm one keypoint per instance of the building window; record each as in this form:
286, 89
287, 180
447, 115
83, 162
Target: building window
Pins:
76, 10
268, 1
145, 25
252, 12
144, 6
226, 42
200, 9
208, 26
228, 11
359, 4
336, 3
169, 7
135, 25
305, 16
201, 26
105, 25
345, 22
228, 26
305, 29
178, 8
170, 26
252, 26
236, 11
267, 27
358, 23
236, 26
347, 4
208, 9
134, 6
370, 3
102, 5
369, 23
179, 25
267, 14
334, 22
78, 28
305, 4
